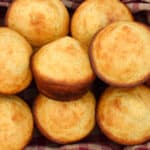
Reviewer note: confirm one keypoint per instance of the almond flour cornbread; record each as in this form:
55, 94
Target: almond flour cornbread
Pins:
65, 122
38, 142
15, 53
39, 21
62, 69
123, 114
119, 54
16, 125
93, 15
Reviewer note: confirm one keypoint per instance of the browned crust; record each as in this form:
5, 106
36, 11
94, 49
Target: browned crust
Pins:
71, 23
147, 83
100, 76
61, 91
100, 29
36, 43
49, 137
111, 136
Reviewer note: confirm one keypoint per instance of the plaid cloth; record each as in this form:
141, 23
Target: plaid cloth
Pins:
96, 140
139, 6
5, 3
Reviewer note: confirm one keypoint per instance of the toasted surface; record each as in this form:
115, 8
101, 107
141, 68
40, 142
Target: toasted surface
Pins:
93, 15
62, 65
15, 52
40, 21
147, 82
16, 123
65, 122
123, 114
120, 53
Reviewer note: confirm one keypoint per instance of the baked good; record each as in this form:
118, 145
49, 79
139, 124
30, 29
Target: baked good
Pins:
93, 15
62, 69
16, 125
40, 21
15, 52
123, 114
120, 53
65, 122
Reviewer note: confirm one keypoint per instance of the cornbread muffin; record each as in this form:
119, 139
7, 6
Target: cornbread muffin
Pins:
16, 123
15, 52
40, 21
65, 122
123, 114
93, 15
120, 54
62, 69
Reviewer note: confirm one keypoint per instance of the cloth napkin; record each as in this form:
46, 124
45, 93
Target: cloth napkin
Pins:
96, 140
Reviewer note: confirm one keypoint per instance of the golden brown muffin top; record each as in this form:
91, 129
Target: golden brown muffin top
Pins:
123, 114
40, 21
93, 15
16, 123
120, 53
15, 54
63, 60
65, 122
